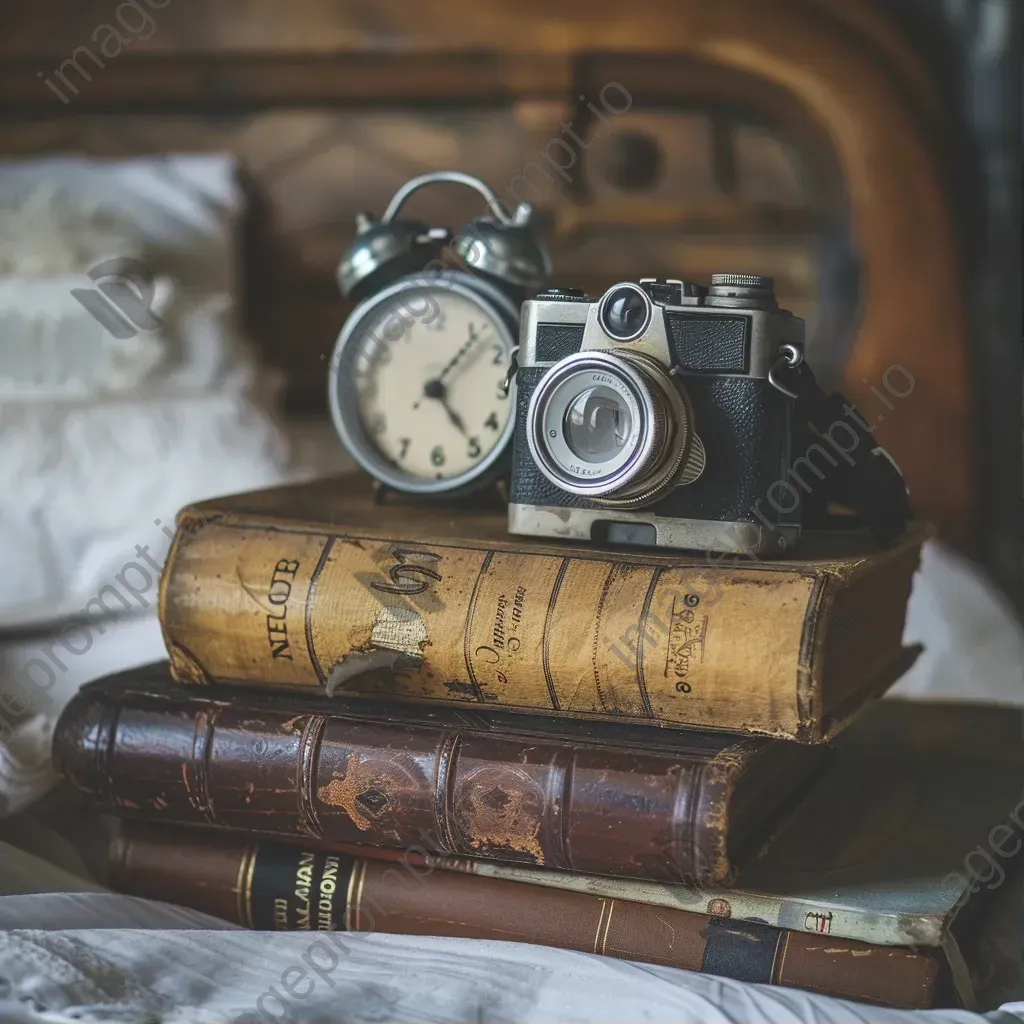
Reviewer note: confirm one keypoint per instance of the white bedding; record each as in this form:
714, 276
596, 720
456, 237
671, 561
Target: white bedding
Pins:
203, 977
102, 436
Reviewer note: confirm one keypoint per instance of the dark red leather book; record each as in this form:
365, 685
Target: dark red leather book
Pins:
597, 797
273, 886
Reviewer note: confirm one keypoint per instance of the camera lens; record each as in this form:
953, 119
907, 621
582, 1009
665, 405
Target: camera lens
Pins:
609, 426
625, 312
597, 424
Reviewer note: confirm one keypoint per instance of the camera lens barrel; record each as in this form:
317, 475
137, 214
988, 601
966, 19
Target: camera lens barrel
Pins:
609, 426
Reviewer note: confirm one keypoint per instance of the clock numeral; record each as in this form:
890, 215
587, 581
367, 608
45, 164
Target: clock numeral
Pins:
492, 421
404, 442
437, 456
500, 356
437, 323
474, 447
378, 425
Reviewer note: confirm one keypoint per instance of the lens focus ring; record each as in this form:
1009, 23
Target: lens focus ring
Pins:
659, 427
608, 426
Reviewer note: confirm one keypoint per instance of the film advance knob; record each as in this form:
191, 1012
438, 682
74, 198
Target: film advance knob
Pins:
741, 291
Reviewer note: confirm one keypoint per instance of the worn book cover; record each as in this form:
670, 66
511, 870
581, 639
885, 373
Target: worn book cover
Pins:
270, 886
469, 781
913, 835
910, 841
317, 587
919, 806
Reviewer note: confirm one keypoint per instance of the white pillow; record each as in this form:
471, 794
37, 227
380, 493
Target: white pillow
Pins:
164, 229
100, 436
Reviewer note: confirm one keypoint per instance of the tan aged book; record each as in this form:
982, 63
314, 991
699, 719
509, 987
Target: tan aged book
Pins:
317, 587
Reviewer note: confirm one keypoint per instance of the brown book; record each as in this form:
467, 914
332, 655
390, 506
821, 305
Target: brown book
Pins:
606, 798
312, 587
274, 886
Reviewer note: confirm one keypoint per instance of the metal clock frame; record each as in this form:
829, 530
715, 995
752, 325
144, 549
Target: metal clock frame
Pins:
345, 414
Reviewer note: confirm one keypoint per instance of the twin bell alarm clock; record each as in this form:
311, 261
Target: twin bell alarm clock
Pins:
420, 387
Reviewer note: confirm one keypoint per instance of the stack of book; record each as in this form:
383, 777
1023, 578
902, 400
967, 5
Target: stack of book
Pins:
402, 719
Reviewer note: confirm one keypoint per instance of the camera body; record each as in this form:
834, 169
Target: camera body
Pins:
650, 417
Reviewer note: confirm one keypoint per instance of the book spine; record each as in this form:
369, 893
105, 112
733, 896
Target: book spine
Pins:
672, 641
519, 799
277, 887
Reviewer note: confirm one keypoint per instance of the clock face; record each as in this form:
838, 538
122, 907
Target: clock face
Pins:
417, 387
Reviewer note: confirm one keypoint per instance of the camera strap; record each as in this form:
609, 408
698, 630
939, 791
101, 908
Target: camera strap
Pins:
860, 474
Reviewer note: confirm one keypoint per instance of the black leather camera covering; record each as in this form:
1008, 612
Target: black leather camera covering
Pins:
556, 341
710, 344
746, 427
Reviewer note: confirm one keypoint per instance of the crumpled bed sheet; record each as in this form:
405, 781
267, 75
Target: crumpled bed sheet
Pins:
202, 977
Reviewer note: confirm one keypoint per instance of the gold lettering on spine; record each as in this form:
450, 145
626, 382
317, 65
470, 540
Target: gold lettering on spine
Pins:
303, 882
325, 904
281, 914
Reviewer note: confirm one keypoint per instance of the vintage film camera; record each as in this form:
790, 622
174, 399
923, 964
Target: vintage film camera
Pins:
659, 415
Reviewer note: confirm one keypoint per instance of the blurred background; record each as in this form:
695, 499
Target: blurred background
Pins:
866, 153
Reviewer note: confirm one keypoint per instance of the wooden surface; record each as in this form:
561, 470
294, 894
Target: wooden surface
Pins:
329, 107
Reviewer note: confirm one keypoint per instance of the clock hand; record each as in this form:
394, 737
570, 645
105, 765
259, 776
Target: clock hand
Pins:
454, 417
455, 359
436, 384
435, 388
